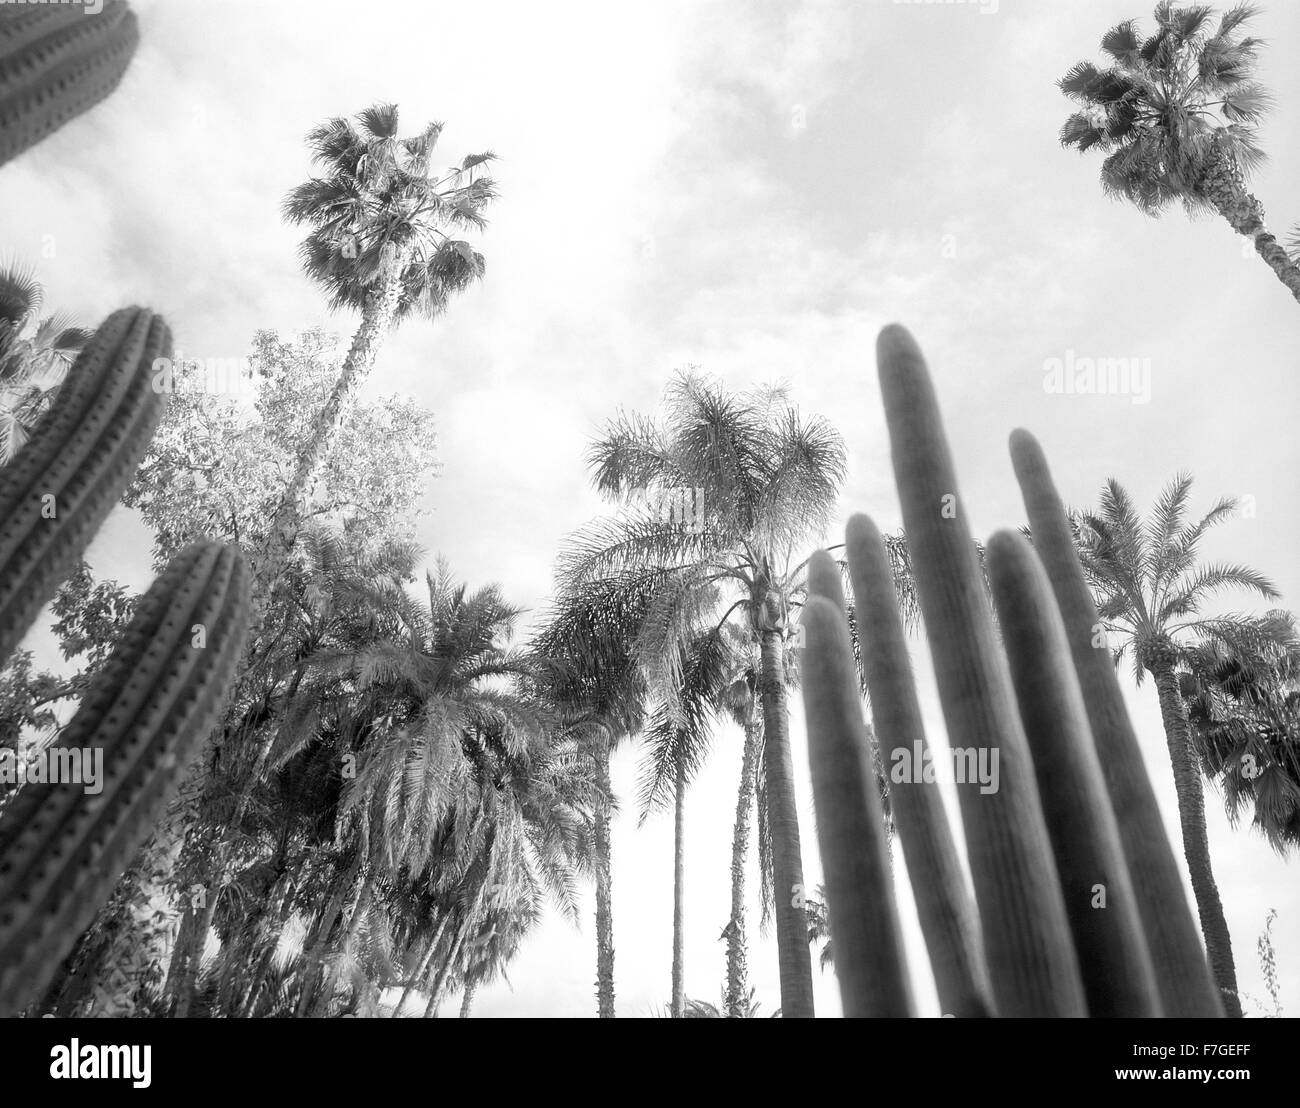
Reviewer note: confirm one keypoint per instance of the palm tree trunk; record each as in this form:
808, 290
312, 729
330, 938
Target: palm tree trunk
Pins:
1196, 843
1224, 186
604, 886
679, 894
360, 903
737, 954
783, 820
467, 1001
376, 321
423, 968
444, 971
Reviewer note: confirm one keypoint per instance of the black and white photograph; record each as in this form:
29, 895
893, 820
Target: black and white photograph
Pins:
656, 509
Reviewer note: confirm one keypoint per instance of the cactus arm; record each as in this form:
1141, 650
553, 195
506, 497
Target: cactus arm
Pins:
56, 62
1117, 973
869, 958
57, 492
1182, 973
1030, 955
62, 850
943, 903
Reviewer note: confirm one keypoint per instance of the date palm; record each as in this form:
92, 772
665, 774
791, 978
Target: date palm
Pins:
1175, 113
762, 481
1151, 592
380, 244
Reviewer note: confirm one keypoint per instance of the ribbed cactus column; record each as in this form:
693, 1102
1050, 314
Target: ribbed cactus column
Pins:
1182, 973
63, 849
869, 957
57, 61
80, 458
1027, 944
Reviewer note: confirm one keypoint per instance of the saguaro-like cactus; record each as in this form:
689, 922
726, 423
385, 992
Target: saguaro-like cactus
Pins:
1064, 930
58, 60
55, 494
62, 848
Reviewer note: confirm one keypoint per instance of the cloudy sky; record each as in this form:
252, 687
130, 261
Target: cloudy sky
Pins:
755, 188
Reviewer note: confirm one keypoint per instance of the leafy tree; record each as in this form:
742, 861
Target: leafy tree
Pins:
1176, 114
1151, 591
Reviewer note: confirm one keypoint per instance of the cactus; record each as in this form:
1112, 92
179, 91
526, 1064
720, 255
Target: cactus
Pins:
57, 61
869, 957
1099, 899
1183, 976
1055, 828
62, 849
1031, 961
55, 494
944, 908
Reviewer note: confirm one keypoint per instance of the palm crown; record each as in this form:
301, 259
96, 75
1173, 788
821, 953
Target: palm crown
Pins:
1170, 110
1150, 588
381, 209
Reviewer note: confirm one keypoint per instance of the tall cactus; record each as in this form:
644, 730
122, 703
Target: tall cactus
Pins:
57, 61
1039, 850
62, 849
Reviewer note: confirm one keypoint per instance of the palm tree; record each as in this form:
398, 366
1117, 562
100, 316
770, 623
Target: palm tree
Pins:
587, 669
1243, 705
677, 739
380, 245
761, 480
1150, 593
1175, 114
35, 354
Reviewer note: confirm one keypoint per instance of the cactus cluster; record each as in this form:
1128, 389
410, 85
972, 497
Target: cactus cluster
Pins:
1078, 908
63, 848
57, 61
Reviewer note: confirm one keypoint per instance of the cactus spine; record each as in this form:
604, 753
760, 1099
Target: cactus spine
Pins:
61, 850
57, 61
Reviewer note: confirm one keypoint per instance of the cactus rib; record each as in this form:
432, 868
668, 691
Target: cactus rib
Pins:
1182, 973
61, 849
1031, 959
56, 62
80, 458
1099, 898
944, 907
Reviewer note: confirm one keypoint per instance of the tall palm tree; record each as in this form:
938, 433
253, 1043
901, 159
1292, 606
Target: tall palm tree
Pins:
761, 480
587, 669
35, 354
677, 739
1243, 705
1175, 113
1150, 594
380, 244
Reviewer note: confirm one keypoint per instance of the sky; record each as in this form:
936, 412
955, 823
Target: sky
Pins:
754, 189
